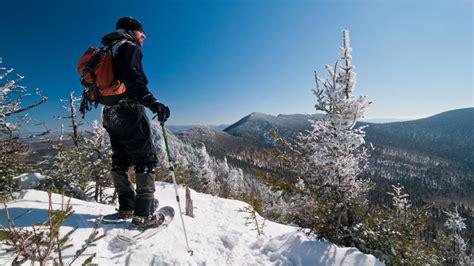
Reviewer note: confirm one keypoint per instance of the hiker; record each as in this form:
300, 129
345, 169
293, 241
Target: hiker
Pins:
129, 128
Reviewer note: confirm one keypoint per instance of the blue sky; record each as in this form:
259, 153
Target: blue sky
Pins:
214, 62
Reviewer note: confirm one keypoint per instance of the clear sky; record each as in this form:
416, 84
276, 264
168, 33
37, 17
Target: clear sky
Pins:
214, 62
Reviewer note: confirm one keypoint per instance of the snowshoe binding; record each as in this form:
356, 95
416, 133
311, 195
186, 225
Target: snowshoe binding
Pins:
146, 222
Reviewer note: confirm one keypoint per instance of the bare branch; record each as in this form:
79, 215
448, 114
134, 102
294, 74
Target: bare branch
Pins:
43, 99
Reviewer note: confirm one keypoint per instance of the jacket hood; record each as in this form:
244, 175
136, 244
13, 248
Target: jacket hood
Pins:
117, 35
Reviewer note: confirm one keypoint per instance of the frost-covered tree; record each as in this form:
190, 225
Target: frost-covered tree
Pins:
81, 170
456, 250
98, 155
216, 176
332, 155
203, 178
12, 117
400, 202
73, 117
196, 168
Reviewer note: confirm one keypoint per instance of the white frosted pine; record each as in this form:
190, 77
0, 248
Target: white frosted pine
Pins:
204, 165
455, 222
458, 249
335, 147
399, 199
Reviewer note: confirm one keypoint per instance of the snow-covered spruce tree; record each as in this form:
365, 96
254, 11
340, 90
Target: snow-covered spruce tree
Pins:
202, 177
332, 155
12, 150
456, 249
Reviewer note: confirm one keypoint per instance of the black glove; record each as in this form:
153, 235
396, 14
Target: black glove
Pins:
161, 110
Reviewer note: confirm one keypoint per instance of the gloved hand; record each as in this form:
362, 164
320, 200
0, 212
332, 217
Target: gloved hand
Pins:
161, 110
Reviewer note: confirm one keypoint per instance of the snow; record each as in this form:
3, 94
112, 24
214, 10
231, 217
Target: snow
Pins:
29, 180
217, 235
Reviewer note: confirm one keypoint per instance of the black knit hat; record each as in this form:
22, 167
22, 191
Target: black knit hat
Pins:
129, 23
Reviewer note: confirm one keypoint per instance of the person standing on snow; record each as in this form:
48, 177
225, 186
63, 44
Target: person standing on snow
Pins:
129, 129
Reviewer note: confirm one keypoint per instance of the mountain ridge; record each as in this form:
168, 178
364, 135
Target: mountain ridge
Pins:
431, 156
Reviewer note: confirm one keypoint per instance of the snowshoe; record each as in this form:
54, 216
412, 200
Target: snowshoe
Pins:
142, 223
127, 237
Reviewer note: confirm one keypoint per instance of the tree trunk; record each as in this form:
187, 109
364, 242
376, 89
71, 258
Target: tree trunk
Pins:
75, 134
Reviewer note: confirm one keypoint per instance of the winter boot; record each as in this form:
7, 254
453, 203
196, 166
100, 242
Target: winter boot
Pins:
144, 216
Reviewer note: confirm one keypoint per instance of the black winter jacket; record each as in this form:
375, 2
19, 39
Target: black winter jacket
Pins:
127, 65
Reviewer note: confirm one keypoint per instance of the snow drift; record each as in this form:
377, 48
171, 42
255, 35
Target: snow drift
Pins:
217, 234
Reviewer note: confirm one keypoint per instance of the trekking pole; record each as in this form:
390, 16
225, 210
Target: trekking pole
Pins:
171, 168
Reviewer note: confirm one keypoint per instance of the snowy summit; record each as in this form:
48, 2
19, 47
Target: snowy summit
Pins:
218, 235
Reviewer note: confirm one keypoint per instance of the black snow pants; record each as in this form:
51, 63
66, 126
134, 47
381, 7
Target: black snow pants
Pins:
130, 137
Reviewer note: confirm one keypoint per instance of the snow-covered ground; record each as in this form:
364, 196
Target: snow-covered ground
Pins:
217, 234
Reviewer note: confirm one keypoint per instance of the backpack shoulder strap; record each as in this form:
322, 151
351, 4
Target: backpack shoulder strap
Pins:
116, 45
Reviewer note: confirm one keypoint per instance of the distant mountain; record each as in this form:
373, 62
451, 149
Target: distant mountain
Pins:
384, 120
449, 135
256, 127
431, 156
183, 128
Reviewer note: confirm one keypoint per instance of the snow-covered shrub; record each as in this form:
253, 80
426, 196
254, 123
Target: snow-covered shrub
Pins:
43, 242
394, 235
12, 117
81, 170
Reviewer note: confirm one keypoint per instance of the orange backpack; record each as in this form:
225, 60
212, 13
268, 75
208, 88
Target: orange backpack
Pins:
98, 77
